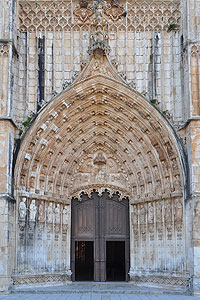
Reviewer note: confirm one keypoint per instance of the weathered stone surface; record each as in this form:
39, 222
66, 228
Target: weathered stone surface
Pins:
99, 127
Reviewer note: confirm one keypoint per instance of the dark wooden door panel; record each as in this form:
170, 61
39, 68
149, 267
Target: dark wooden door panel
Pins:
100, 219
83, 219
115, 219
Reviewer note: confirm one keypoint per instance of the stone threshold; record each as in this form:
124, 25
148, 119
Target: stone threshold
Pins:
96, 288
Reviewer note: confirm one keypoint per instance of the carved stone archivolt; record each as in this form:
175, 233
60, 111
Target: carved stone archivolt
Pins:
97, 133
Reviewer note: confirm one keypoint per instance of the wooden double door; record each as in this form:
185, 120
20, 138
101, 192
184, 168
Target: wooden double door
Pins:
100, 238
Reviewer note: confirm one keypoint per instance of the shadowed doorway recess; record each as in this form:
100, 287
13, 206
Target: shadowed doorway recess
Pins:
100, 238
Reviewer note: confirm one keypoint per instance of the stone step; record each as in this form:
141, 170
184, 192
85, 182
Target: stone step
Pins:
96, 288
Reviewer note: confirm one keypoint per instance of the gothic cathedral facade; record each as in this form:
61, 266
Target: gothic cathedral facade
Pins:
100, 142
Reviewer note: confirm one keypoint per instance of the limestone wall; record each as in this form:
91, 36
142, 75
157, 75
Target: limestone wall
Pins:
191, 92
7, 242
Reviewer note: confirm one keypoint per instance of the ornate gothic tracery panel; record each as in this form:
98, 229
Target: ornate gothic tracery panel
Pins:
60, 15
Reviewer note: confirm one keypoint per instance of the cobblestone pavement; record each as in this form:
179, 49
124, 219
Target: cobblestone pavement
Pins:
90, 296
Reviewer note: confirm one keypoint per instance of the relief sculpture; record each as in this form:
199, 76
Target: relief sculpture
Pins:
159, 220
41, 212
66, 217
22, 209
134, 216
179, 212
150, 213
50, 213
142, 214
32, 211
57, 214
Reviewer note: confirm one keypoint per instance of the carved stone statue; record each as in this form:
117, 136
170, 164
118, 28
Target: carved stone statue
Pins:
134, 190
66, 212
99, 12
32, 211
50, 213
150, 187
57, 214
134, 216
179, 211
159, 212
150, 213
156, 173
142, 214
41, 216
168, 211
177, 182
22, 209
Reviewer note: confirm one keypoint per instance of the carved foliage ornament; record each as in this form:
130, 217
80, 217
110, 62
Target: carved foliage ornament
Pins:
100, 190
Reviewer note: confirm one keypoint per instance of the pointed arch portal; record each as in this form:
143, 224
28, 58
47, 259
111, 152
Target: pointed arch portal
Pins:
99, 134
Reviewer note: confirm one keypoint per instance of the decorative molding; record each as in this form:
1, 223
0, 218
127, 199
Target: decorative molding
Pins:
56, 16
100, 189
168, 281
4, 49
38, 279
83, 14
195, 50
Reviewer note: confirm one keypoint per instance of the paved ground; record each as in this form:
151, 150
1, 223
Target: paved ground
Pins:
90, 296
94, 291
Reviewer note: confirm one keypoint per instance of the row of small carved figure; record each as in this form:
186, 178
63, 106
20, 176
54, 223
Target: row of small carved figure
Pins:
53, 212
149, 213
